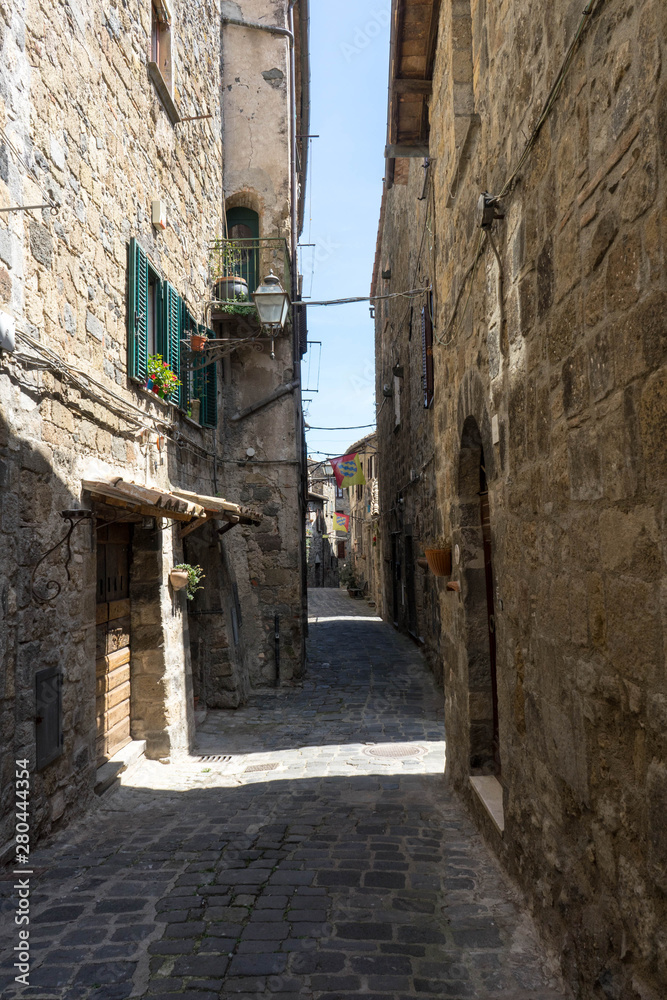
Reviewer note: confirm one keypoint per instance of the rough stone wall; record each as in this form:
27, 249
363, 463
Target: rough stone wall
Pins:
410, 517
77, 102
568, 353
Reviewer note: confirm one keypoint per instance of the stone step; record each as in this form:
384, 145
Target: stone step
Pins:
108, 775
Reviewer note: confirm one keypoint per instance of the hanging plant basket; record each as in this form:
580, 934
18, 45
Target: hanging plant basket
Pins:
439, 561
197, 343
178, 578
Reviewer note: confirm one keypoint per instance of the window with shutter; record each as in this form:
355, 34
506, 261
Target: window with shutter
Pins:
48, 715
188, 327
137, 318
427, 355
209, 399
172, 333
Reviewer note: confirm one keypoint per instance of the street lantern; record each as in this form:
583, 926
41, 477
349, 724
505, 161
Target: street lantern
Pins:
272, 302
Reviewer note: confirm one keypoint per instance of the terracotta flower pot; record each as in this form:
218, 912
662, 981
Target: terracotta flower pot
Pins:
197, 343
439, 561
178, 579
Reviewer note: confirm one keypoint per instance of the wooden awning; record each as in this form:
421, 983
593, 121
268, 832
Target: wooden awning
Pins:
178, 505
414, 27
142, 499
217, 508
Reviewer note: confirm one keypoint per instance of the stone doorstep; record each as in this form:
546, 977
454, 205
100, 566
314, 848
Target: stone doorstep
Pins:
108, 775
489, 791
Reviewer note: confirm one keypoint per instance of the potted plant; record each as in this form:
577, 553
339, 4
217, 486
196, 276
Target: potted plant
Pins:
193, 574
439, 559
161, 379
178, 578
197, 342
230, 257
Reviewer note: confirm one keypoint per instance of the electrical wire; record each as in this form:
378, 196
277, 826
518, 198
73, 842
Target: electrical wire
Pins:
8, 142
547, 108
551, 98
356, 427
369, 298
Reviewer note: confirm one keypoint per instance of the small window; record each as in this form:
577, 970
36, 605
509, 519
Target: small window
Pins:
48, 715
427, 353
341, 550
339, 492
161, 41
152, 299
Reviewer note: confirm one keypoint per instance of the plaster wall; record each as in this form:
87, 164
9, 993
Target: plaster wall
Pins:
267, 561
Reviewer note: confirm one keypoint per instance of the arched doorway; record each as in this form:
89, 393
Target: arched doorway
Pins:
477, 576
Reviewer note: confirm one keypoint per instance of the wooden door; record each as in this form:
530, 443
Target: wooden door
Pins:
112, 664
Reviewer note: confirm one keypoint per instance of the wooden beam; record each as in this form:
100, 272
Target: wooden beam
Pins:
397, 151
193, 525
228, 526
405, 86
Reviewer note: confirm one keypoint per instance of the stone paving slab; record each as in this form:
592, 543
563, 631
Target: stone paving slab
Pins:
332, 875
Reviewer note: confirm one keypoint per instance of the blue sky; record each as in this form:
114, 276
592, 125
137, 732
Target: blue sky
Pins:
349, 51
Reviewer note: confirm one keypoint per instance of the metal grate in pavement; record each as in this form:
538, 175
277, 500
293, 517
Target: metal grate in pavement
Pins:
215, 758
260, 767
394, 750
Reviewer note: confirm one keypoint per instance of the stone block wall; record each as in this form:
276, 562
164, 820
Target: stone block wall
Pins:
77, 103
551, 368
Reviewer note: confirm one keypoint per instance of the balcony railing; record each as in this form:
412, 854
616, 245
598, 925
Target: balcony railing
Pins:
237, 264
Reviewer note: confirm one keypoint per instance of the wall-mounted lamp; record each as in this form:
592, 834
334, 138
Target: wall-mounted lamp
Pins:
272, 302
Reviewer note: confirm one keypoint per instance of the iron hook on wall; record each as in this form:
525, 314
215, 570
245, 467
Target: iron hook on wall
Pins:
75, 517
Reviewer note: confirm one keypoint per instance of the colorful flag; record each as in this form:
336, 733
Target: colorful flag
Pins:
347, 470
341, 521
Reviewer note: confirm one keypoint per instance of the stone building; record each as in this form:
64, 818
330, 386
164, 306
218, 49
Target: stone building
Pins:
364, 511
111, 124
521, 436
326, 542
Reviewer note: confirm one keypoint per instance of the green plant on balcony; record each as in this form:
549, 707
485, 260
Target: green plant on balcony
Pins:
232, 267
161, 379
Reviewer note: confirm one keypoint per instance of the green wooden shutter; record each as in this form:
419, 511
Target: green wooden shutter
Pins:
136, 309
187, 326
206, 388
173, 331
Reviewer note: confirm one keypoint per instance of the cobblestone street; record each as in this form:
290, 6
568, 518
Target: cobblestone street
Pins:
301, 860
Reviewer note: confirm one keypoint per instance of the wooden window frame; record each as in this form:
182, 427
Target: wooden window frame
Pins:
427, 354
161, 56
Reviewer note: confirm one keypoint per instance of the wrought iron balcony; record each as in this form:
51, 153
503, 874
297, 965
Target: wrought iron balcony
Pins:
237, 267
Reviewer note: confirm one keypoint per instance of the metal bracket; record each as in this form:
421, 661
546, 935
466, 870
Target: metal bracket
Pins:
29, 208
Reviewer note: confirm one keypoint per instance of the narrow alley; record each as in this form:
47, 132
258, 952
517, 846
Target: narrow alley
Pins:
308, 848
